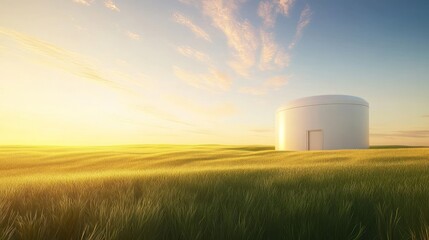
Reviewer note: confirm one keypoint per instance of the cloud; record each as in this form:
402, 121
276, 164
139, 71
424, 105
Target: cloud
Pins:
270, 84
425, 116
304, 20
276, 82
84, 2
80, 66
406, 134
58, 57
133, 36
282, 59
185, 21
111, 5
283, 6
241, 37
269, 9
414, 133
107, 3
265, 11
194, 54
215, 80
268, 50
272, 56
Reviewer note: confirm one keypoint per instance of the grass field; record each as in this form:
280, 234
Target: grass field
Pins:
212, 192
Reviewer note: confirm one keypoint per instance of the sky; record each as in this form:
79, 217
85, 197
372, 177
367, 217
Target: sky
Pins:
104, 72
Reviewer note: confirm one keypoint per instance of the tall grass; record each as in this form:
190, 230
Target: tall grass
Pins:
212, 192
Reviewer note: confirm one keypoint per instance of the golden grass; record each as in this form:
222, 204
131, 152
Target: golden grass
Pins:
212, 192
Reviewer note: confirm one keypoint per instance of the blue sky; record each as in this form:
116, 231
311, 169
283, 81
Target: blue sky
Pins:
210, 71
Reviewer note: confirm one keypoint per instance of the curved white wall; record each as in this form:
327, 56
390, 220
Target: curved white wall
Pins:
342, 120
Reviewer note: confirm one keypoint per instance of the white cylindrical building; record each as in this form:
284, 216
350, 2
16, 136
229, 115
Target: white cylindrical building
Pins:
323, 122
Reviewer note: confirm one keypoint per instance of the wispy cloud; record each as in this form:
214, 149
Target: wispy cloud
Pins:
276, 82
84, 2
185, 21
111, 5
268, 50
57, 56
190, 52
240, 35
406, 134
282, 58
268, 10
133, 36
426, 116
272, 56
414, 133
215, 80
107, 3
283, 6
271, 84
244, 41
304, 20
84, 68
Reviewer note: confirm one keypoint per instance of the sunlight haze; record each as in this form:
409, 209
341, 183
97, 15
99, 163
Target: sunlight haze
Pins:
104, 72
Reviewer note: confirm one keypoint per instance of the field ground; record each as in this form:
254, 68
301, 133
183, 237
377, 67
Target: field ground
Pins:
212, 192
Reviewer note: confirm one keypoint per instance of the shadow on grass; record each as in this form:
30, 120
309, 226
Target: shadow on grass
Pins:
250, 148
395, 146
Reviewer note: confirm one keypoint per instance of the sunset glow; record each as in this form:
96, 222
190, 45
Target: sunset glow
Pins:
104, 72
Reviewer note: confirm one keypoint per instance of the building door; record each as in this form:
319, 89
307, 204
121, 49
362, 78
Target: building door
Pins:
315, 140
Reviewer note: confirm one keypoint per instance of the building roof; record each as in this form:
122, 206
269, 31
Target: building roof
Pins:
324, 100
